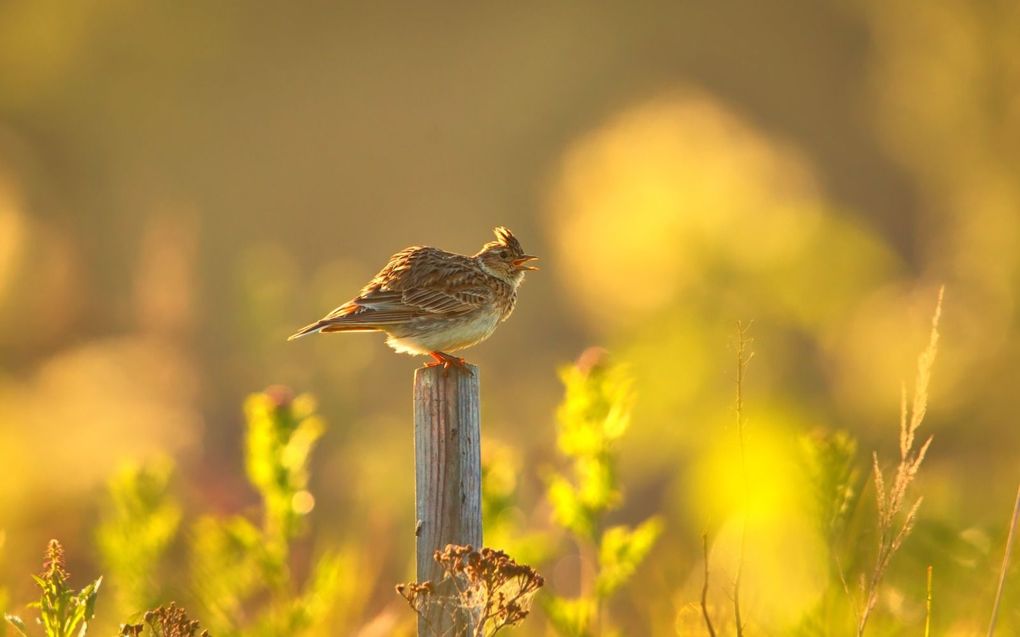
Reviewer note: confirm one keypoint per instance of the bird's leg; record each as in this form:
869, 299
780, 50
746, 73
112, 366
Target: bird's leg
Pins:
446, 360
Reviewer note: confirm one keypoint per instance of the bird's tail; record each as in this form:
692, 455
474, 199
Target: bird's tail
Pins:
331, 325
311, 328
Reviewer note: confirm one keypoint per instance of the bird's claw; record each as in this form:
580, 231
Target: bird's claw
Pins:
446, 360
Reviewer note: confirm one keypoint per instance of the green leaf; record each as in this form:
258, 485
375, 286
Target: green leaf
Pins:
282, 431
829, 462
86, 600
298, 448
594, 414
139, 522
596, 408
18, 624
228, 564
568, 511
569, 617
621, 551
597, 488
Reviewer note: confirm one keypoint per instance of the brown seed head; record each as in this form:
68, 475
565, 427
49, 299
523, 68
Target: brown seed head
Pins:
53, 564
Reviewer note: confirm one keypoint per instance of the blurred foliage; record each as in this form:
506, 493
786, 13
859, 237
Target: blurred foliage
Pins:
834, 477
594, 414
135, 530
621, 550
236, 562
3, 591
503, 522
282, 430
241, 572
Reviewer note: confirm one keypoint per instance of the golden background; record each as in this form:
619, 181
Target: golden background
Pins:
183, 185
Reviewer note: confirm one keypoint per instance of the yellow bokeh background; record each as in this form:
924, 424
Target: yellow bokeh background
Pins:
181, 187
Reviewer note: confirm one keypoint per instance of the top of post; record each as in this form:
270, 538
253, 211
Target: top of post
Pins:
439, 373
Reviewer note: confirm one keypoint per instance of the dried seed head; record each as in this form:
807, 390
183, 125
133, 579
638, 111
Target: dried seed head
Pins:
53, 564
172, 621
488, 580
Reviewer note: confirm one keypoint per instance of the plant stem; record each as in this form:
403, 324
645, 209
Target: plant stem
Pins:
704, 590
589, 556
927, 607
1005, 563
743, 358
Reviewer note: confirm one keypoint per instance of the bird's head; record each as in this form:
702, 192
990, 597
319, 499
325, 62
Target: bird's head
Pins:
504, 257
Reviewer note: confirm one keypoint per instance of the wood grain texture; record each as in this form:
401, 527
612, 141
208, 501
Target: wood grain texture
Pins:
448, 477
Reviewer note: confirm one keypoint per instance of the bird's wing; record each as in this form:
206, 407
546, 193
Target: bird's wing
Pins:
417, 282
460, 298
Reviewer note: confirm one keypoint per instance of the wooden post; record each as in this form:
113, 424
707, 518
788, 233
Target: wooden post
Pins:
448, 480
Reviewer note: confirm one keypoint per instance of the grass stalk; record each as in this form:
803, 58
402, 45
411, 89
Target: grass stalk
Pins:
891, 498
1005, 563
704, 590
927, 605
744, 356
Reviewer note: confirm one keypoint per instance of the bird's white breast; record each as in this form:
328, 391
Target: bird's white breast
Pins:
447, 335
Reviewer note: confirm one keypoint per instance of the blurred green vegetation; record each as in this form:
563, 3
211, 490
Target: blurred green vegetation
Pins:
594, 415
239, 577
235, 561
182, 186
135, 531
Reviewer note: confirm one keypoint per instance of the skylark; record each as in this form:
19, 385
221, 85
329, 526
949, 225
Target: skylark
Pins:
429, 301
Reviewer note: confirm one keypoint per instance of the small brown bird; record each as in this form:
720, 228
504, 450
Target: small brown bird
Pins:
429, 301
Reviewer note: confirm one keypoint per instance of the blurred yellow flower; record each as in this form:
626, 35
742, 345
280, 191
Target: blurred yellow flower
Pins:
646, 202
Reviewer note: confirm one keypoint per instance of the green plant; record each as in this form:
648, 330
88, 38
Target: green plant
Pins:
593, 416
3, 611
62, 611
744, 356
1003, 568
240, 569
893, 528
829, 462
138, 524
501, 517
240, 573
3, 591
834, 481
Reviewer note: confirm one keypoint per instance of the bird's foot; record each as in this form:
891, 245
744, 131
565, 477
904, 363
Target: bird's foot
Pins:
446, 360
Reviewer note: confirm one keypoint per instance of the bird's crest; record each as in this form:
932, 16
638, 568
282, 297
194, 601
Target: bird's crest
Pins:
507, 238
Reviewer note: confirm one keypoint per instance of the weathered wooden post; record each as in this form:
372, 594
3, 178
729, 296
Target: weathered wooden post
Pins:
448, 480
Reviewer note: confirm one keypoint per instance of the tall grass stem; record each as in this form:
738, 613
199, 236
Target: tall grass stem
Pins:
927, 605
704, 590
744, 357
1005, 563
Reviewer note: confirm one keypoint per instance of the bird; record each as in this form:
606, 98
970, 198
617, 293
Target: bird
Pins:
432, 302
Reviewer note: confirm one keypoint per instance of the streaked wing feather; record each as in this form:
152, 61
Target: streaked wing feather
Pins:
447, 301
407, 289
371, 318
379, 299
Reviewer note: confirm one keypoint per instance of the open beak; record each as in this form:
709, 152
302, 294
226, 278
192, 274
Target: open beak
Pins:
520, 263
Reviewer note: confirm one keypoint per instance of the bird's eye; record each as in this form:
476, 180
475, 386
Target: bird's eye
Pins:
504, 254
